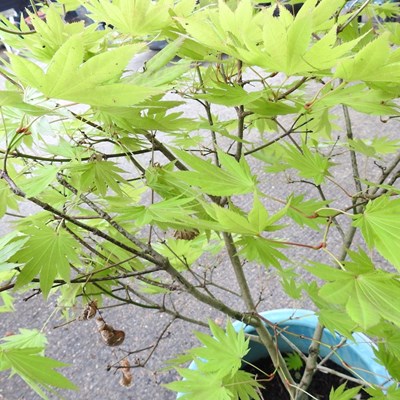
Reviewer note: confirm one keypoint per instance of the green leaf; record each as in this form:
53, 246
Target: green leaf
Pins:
371, 64
140, 17
233, 222
182, 253
303, 211
368, 297
234, 177
294, 361
229, 95
37, 371
242, 385
9, 245
309, 164
8, 302
47, 253
341, 393
100, 175
41, 179
221, 353
199, 386
94, 82
337, 320
262, 250
380, 227
391, 393
27, 338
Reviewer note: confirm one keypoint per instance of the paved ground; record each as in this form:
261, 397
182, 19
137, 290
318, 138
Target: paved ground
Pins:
78, 343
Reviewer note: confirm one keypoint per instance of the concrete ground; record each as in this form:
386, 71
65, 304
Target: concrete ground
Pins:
78, 343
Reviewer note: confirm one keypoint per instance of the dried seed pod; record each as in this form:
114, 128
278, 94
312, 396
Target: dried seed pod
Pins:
89, 312
109, 335
186, 234
126, 379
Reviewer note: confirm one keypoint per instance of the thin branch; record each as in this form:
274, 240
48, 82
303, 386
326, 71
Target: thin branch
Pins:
207, 108
47, 207
353, 157
17, 153
265, 336
311, 364
340, 28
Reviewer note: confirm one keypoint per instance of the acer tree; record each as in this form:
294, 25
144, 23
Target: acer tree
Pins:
132, 193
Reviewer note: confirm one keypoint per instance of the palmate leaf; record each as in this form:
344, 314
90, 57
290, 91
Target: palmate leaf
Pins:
221, 353
302, 211
37, 371
40, 180
368, 296
47, 253
262, 250
360, 97
234, 177
27, 338
392, 393
139, 17
100, 175
380, 227
242, 385
9, 245
94, 82
309, 164
199, 386
340, 393
371, 64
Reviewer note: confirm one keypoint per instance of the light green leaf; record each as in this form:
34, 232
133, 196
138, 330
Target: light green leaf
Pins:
309, 164
8, 303
27, 338
232, 178
242, 385
199, 386
99, 175
37, 371
368, 297
337, 320
40, 181
233, 222
371, 64
69, 78
303, 211
294, 361
221, 353
341, 393
392, 393
262, 250
9, 245
47, 253
380, 227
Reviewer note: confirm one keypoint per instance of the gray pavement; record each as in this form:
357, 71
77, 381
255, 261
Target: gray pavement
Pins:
78, 343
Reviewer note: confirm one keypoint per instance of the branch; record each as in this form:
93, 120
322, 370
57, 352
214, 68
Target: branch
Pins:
265, 337
47, 207
311, 364
17, 153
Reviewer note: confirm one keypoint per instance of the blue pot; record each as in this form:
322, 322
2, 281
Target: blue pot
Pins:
299, 326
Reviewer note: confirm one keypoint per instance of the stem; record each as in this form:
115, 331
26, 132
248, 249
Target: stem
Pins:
210, 119
311, 364
354, 16
353, 157
265, 337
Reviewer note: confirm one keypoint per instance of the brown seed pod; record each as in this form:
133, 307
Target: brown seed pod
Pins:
126, 379
89, 312
186, 234
109, 335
